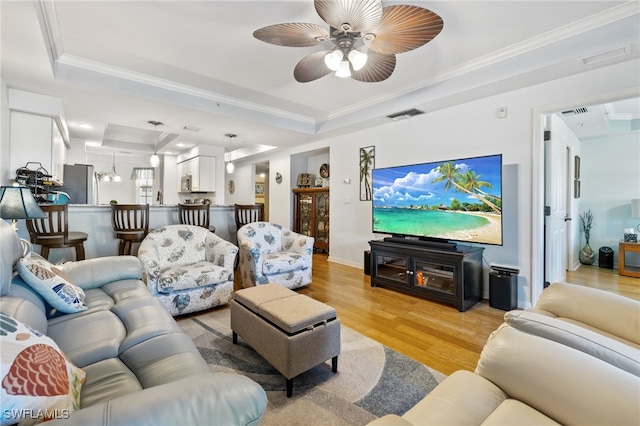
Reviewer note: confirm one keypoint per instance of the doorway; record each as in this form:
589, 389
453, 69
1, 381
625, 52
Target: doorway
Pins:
262, 186
542, 250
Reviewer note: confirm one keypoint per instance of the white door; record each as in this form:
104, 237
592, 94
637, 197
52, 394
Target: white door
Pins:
556, 154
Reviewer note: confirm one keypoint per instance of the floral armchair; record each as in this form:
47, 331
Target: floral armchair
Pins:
188, 267
270, 253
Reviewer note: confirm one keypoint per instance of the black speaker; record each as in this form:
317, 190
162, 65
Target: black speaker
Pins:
605, 257
367, 262
503, 291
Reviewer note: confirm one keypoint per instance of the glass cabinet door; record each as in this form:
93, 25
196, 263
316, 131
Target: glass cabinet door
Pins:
435, 276
322, 218
393, 268
306, 214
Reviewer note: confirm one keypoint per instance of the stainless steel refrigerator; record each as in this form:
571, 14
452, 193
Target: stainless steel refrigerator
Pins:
79, 183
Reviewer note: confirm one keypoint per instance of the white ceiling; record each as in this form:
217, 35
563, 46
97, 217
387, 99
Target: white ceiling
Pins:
118, 64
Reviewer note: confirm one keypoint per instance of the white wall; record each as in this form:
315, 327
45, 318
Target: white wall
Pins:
610, 179
5, 136
463, 130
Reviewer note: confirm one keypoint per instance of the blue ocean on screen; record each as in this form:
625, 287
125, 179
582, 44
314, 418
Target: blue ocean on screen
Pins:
424, 222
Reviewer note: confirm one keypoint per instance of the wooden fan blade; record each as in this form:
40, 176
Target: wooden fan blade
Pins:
296, 34
379, 67
361, 15
311, 67
404, 28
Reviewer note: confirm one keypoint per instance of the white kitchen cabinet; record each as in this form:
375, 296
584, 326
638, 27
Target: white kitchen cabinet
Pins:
202, 170
37, 139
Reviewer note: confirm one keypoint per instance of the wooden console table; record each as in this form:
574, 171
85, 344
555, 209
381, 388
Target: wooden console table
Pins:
627, 270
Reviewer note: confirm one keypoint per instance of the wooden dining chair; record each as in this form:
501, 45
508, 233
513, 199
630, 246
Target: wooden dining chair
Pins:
195, 214
248, 213
130, 223
53, 231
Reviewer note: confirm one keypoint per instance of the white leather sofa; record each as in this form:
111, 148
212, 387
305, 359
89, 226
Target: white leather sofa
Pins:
577, 366
134, 364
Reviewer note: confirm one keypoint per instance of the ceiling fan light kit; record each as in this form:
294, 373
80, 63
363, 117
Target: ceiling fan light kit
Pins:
355, 25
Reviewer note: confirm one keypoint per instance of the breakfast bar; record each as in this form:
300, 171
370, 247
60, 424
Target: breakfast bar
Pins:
95, 220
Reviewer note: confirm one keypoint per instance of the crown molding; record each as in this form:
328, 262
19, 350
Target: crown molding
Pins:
53, 39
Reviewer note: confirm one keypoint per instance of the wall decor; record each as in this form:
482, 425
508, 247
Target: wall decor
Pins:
232, 187
324, 170
278, 178
304, 180
576, 188
367, 164
259, 188
576, 167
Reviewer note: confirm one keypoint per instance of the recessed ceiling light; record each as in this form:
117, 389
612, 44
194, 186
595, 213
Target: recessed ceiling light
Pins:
92, 143
180, 145
86, 126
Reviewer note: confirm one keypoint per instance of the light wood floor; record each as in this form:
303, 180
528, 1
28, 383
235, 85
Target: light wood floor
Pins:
432, 333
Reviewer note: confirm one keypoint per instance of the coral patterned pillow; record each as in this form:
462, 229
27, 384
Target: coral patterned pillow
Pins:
38, 382
52, 284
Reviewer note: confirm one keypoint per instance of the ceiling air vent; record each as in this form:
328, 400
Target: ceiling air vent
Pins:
192, 128
576, 111
403, 115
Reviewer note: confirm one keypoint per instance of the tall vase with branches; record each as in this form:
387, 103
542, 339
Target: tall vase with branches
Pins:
587, 255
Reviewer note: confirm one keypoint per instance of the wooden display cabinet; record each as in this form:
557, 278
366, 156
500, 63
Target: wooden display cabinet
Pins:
311, 215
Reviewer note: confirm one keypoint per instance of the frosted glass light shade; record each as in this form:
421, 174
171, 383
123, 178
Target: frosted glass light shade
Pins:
343, 70
154, 160
230, 167
332, 60
17, 202
358, 59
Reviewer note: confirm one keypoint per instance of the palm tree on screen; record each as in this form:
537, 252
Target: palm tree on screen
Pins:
467, 182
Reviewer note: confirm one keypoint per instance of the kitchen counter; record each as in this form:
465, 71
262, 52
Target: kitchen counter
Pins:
95, 220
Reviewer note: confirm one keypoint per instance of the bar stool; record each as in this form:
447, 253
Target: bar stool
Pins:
130, 223
195, 214
53, 231
248, 213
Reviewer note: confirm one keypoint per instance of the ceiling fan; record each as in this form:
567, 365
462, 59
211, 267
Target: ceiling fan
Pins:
366, 37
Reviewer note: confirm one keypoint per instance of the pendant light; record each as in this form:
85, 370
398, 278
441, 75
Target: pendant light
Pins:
230, 166
114, 175
155, 160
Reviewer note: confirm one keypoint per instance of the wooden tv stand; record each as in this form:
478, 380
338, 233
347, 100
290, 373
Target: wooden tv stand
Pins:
447, 276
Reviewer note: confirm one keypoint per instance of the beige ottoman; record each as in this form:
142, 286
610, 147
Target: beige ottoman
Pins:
293, 332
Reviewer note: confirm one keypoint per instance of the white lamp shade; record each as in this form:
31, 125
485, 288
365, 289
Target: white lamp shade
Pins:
358, 59
154, 160
635, 207
230, 167
343, 69
332, 60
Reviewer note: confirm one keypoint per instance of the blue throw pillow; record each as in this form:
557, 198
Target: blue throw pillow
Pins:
52, 284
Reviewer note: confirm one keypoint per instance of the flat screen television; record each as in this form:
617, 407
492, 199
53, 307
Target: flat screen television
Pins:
442, 201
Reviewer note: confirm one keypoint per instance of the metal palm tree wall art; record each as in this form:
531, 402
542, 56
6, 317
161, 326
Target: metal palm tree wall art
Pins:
366, 38
367, 164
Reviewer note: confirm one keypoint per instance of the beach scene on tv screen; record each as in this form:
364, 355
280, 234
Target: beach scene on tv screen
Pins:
453, 200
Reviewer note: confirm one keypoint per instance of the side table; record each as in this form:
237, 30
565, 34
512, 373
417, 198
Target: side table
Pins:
627, 270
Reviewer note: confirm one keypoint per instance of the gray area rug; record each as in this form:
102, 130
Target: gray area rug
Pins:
372, 380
